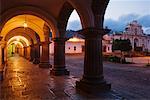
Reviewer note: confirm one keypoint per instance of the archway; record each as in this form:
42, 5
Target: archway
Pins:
19, 21
15, 47
16, 44
91, 15
36, 30
93, 32
74, 44
29, 10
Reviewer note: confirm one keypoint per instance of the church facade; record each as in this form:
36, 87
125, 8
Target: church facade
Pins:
134, 32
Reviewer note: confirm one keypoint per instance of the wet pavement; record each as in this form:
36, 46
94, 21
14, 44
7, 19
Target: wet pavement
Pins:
26, 81
131, 81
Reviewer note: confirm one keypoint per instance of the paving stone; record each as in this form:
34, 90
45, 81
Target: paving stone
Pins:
26, 81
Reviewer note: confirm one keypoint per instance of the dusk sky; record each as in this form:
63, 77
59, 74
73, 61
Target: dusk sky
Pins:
120, 12
118, 8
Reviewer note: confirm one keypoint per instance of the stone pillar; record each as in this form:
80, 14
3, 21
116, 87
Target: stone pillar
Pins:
36, 59
3, 51
3, 55
93, 80
25, 52
59, 67
31, 53
44, 59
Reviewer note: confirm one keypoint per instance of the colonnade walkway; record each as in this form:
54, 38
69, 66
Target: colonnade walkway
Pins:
26, 81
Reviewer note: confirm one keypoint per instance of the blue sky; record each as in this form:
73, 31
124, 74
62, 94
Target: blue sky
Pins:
119, 13
117, 8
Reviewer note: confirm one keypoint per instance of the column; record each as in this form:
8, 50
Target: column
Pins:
31, 53
59, 67
93, 80
44, 59
28, 52
3, 55
25, 52
36, 59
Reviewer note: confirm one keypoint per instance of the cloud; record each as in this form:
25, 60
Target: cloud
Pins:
74, 25
115, 25
128, 18
145, 20
119, 25
146, 30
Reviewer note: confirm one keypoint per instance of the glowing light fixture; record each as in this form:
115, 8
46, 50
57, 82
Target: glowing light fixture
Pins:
18, 39
15, 43
25, 25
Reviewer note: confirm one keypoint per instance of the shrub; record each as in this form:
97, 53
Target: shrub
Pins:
114, 59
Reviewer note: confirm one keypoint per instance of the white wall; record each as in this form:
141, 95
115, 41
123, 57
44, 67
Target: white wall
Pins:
69, 47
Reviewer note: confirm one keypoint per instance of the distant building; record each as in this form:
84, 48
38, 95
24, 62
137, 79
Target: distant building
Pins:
134, 32
75, 43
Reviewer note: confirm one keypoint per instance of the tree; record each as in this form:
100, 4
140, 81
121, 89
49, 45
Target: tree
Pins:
122, 45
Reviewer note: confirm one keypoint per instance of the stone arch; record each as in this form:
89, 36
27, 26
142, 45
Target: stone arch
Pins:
63, 17
28, 38
84, 12
98, 9
20, 10
17, 48
22, 43
65, 12
18, 22
24, 40
32, 36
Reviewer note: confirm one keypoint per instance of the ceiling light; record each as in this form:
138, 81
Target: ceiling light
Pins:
25, 25
18, 39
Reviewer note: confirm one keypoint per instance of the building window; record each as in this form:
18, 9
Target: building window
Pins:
69, 48
74, 48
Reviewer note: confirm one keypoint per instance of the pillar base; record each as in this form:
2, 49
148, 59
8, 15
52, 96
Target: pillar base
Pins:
59, 71
36, 61
90, 87
45, 65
